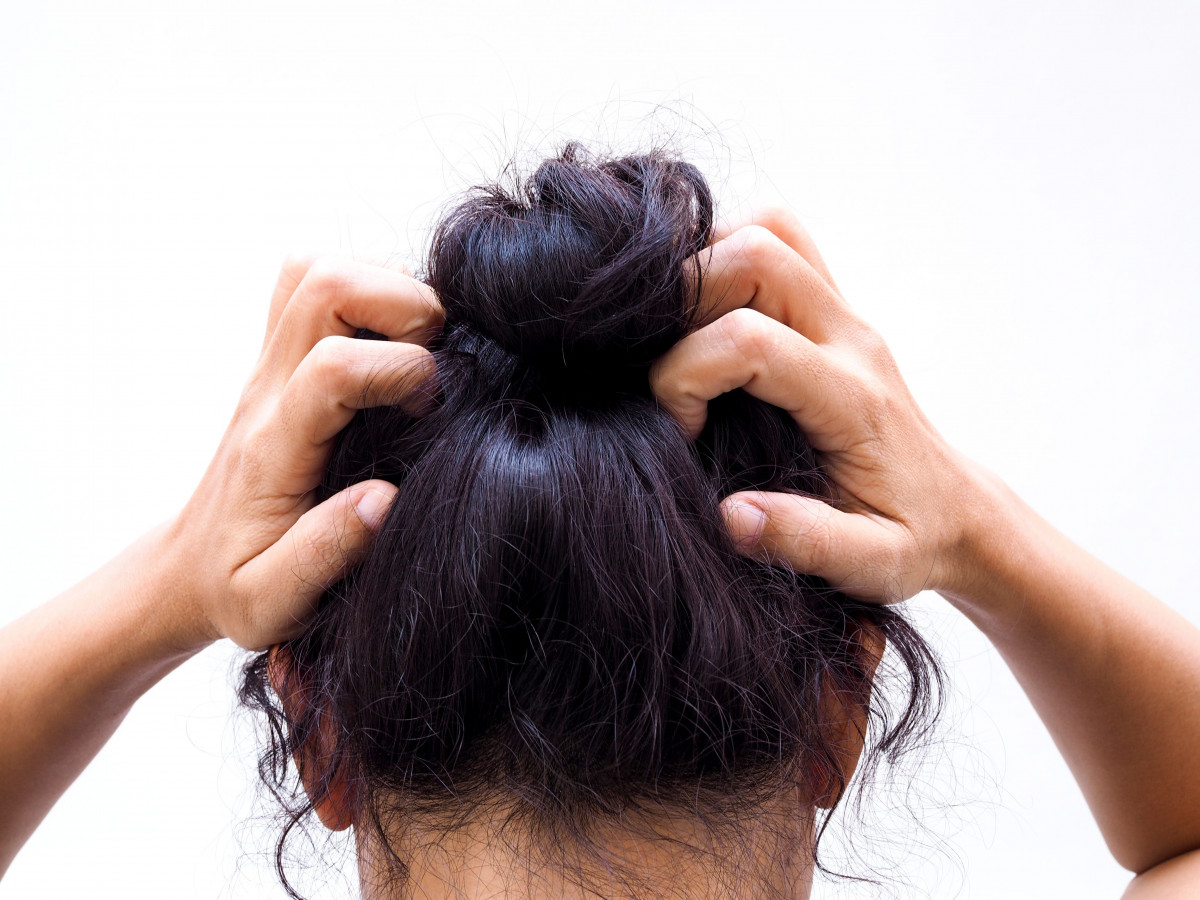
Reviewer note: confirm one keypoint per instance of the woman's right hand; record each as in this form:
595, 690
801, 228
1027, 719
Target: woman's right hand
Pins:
1113, 673
776, 326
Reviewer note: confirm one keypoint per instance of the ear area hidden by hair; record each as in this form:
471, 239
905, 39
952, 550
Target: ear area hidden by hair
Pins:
330, 793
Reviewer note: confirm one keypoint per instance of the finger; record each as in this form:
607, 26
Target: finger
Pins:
754, 268
748, 350
291, 273
339, 297
281, 586
295, 267
852, 551
785, 225
342, 375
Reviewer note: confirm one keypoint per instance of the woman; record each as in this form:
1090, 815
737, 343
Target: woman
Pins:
649, 725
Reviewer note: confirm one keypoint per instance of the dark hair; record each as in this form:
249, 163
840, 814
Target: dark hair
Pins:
553, 619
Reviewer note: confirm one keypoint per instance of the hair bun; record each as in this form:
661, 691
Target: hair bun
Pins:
579, 269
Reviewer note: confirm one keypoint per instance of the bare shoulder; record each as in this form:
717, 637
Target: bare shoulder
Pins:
1175, 879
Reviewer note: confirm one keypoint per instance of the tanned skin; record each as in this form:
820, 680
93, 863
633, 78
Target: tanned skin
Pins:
1113, 672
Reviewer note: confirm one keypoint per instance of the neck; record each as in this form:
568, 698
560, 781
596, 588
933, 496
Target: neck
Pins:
764, 855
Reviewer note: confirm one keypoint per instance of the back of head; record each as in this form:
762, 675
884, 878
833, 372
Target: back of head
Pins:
553, 621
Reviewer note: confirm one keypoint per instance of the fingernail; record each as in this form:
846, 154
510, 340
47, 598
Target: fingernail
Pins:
372, 508
746, 523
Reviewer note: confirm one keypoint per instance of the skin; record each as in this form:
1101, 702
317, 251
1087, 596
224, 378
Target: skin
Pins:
1113, 673
248, 556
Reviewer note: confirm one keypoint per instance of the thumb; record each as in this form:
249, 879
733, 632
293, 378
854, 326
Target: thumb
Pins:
807, 535
331, 537
284, 583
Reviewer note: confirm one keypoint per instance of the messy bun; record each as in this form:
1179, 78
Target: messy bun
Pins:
553, 619
582, 271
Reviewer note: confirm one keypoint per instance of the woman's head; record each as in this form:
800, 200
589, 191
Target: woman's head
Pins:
553, 630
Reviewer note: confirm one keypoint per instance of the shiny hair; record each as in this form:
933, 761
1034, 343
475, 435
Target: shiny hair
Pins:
553, 620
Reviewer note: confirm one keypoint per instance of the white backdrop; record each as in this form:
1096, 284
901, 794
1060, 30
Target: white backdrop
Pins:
1008, 190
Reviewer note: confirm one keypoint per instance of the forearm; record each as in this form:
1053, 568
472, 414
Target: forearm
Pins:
1113, 673
249, 556
70, 671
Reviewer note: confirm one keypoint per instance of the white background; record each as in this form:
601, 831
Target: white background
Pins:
1008, 190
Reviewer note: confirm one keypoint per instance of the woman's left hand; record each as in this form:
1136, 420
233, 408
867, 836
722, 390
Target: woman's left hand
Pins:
251, 553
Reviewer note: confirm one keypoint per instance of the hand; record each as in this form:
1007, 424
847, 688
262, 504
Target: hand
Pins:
250, 551
776, 326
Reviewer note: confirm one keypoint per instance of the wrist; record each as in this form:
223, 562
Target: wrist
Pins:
115, 633
986, 518
175, 585
1003, 549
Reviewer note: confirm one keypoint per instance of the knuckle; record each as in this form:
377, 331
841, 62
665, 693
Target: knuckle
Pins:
292, 271
330, 358
746, 332
296, 264
873, 343
327, 277
760, 245
328, 371
777, 217
677, 384
308, 544
815, 546
872, 346
675, 381
429, 315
